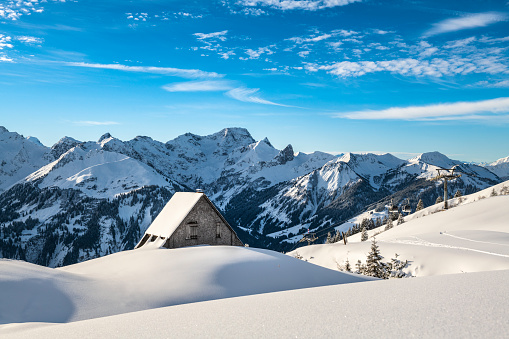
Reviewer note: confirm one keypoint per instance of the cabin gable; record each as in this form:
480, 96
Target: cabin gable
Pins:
203, 226
189, 219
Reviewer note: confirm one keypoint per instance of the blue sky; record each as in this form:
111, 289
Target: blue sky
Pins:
333, 75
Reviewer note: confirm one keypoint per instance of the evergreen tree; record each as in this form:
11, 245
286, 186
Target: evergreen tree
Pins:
359, 267
401, 219
348, 267
374, 265
384, 221
389, 224
420, 205
329, 239
364, 234
396, 267
378, 222
457, 194
439, 200
493, 193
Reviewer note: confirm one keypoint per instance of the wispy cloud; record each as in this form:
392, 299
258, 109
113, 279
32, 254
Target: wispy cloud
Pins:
466, 22
29, 40
496, 84
309, 5
238, 93
250, 95
473, 110
215, 35
95, 123
178, 72
435, 67
199, 86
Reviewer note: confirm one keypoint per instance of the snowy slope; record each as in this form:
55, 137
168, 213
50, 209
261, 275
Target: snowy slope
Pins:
97, 173
473, 305
19, 157
146, 278
470, 237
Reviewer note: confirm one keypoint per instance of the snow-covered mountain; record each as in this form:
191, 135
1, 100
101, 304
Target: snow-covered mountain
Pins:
347, 185
19, 156
81, 200
500, 167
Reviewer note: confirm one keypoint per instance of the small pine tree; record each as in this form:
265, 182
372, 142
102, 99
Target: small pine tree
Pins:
493, 193
420, 205
348, 267
364, 234
329, 239
439, 200
396, 267
378, 222
401, 219
359, 267
374, 265
457, 194
384, 221
389, 224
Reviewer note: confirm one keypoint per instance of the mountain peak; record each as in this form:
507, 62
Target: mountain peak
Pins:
104, 137
266, 140
285, 155
235, 133
3, 129
34, 140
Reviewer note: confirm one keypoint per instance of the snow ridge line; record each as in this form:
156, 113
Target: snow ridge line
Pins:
422, 242
75, 176
483, 242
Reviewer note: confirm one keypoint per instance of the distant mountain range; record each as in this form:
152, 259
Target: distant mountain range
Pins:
80, 200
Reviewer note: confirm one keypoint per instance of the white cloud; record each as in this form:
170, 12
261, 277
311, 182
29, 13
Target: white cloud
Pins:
215, 35
5, 41
14, 9
309, 5
30, 40
3, 58
466, 22
238, 93
436, 67
199, 86
255, 54
300, 40
250, 95
178, 72
95, 123
498, 84
473, 110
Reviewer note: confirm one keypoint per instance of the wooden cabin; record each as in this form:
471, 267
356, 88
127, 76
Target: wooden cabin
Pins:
189, 219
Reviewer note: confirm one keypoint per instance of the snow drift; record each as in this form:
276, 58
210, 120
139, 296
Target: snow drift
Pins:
144, 279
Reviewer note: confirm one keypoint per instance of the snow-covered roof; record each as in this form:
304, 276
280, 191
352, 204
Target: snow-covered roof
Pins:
173, 213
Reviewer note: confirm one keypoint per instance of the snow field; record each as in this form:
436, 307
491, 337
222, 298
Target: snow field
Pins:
471, 305
150, 278
471, 237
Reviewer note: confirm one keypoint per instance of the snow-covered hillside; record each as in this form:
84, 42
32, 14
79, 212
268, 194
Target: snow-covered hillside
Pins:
471, 236
452, 306
150, 278
97, 173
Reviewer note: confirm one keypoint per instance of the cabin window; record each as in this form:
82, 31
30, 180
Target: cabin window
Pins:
218, 230
192, 231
